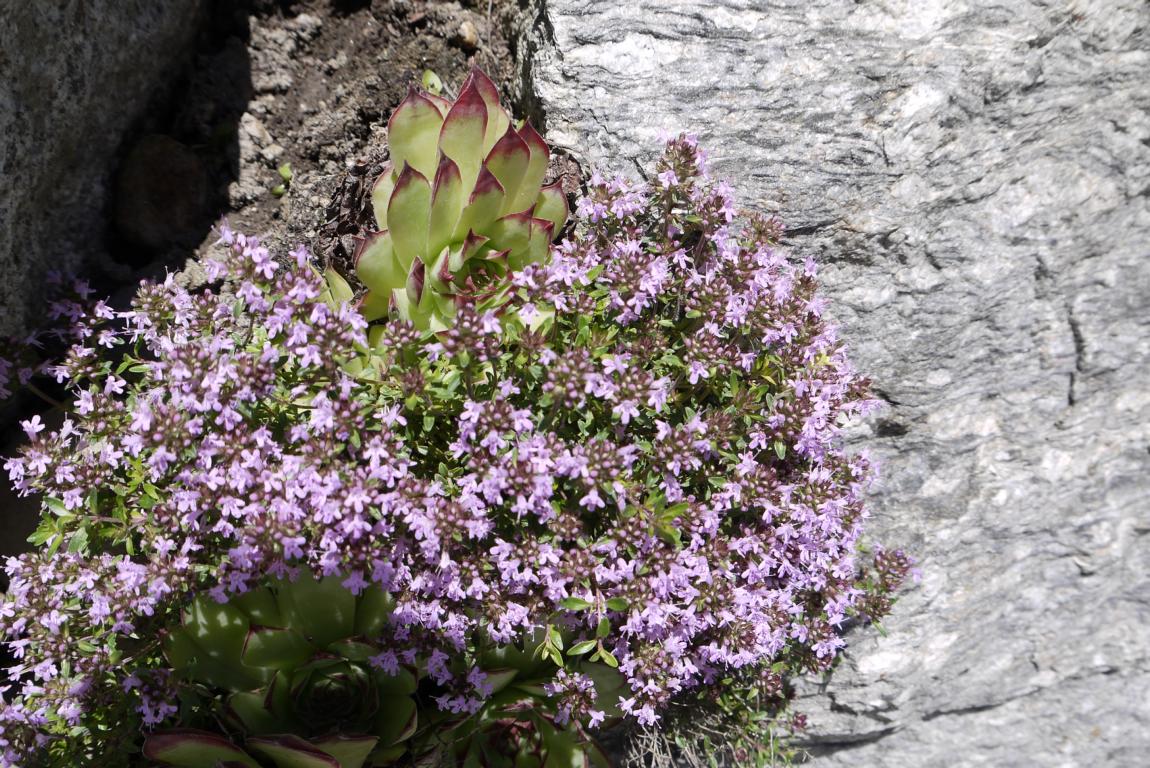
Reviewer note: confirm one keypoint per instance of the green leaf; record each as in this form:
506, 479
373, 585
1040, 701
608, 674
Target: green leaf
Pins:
432, 83
291, 752
381, 195
538, 156
350, 751
497, 119
408, 214
609, 659
581, 648
285, 172
461, 137
276, 648
780, 449
377, 264
338, 290
575, 604
446, 205
508, 161
555, 638
551, 205
483, 207
413, 134
372, 612
322, 610
189, 748
603, 628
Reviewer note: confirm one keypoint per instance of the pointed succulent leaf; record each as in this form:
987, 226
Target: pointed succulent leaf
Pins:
373, 611
323, 608
375, 305
377, 264
563, 748
249, 711
508, 162
499, 679
190, 748
291, 752
610, 686
484, 207
260, 605
381, 195
552, 206
536, 171
538, 245
441, 103
396, 721
413, 133
337, 290
350, 751
180, 649
446, 205
275, 647
408, 214
353, 650
497, 117
474, 246
219, 629
416, 279
512, 232
461, 137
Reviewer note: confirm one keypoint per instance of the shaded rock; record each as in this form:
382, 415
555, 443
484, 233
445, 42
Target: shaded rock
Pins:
974, 180
162, 195
74, 76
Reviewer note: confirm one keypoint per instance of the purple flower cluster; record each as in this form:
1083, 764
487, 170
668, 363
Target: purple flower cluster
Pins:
639, 456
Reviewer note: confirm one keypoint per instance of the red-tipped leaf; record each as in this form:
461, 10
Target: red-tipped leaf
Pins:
552, 206
461, 137
190, 748
484, 207
512, 232
497, 117
529, 188
415, 282
508, 162
413, 133
291, 752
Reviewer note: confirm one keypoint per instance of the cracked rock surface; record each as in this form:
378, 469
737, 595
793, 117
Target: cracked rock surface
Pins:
975, 180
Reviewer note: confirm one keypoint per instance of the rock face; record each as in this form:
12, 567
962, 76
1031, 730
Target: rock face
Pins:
975, 179
75, 75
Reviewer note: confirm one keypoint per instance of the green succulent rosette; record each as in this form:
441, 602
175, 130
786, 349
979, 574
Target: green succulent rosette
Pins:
289, 667
460, 207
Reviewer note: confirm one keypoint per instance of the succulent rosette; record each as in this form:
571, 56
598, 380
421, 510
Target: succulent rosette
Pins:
460, 208
289, 666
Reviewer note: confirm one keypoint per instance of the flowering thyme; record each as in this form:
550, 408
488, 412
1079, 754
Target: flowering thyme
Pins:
635, 464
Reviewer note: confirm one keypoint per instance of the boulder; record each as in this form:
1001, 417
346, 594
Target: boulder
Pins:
975, 180
76, 77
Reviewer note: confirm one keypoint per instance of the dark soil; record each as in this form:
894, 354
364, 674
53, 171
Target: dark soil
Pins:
308, 84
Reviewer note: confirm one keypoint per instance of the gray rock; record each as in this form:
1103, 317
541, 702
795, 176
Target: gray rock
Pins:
74, 77
975, 179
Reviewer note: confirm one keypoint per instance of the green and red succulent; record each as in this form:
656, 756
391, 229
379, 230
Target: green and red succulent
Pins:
288, 669
460, 207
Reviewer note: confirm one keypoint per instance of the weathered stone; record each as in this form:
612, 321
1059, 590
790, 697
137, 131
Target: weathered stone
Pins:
74, 77
975, 179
